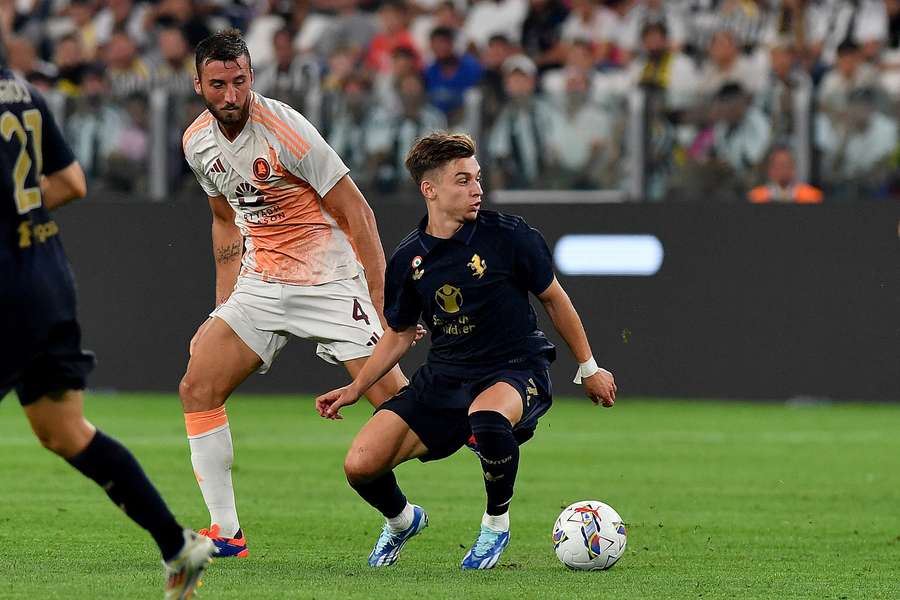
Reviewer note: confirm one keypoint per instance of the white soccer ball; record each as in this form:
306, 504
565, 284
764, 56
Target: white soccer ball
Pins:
589, 536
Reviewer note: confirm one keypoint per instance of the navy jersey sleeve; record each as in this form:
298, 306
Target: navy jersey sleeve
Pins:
56, 153
533, 261
402, 304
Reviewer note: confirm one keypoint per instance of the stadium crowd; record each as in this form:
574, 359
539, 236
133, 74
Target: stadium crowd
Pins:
733, 93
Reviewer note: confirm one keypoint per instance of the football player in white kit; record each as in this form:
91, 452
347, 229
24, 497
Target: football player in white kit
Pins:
297, 253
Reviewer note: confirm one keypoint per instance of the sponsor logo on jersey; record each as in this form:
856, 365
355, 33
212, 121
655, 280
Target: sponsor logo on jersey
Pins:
449, 298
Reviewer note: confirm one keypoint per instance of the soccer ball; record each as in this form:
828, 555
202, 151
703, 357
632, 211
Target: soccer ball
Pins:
589, 536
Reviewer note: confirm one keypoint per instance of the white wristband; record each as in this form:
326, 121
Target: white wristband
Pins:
586, 369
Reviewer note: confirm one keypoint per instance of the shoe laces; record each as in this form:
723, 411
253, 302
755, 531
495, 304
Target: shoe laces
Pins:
487, 537
387, 537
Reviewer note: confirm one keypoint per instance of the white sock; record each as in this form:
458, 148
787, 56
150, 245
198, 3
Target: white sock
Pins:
403, 520
212, 455
496, 522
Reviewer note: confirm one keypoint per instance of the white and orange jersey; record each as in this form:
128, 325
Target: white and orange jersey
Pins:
274, 175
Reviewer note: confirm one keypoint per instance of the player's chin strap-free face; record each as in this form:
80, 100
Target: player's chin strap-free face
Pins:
588, 368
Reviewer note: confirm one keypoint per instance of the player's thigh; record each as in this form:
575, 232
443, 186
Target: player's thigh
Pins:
383, 443
220, 362
500, 397
58, 422
382, 390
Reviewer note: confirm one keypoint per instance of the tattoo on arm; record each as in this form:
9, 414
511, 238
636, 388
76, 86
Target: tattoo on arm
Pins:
225, 254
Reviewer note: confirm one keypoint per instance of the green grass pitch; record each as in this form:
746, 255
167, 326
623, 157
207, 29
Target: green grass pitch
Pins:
722, 499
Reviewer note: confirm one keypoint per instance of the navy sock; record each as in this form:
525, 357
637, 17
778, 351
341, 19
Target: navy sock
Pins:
113, 468
499, 454
383, 493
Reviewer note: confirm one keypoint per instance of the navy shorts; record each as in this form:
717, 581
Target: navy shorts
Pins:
436, 406
54, 362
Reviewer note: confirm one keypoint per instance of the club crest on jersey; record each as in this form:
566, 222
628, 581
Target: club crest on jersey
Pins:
478, 266
261, 169
449, 298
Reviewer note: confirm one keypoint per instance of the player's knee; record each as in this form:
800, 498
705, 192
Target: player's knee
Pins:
359, 468
197, 394
64, 441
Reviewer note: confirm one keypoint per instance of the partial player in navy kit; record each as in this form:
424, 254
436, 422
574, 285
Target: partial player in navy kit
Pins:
467, 273
40, 340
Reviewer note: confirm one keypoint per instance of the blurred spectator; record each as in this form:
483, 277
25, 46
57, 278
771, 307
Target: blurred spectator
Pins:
81, 15
782, 184
451, 75
833, 22
890, 57
349, 26
592, 23
849, 74
415, 119
173, 69
261, 31
94, 127
69, 59
579, 61
517, 141
387, 84
629, 34
358, 128
23, 58
780, 91
541, 32
741, 132
725, 64
493, 93
580, 151
127, 72
661, 68
393, 33
748, 22
290, 78
856, 145
121, 15
180, 13
447, 15
487, 18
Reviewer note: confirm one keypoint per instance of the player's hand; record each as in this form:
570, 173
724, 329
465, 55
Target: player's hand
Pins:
329, 404
420, 333
200, 330
600, 388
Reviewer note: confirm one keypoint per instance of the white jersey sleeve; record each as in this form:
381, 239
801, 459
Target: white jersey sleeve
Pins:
316, 162
192, 144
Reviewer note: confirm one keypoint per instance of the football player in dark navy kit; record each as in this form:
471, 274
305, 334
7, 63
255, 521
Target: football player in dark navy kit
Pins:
467, 273
40, 340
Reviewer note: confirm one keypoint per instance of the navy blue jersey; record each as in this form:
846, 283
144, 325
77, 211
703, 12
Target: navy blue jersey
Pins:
37, 286
472, 292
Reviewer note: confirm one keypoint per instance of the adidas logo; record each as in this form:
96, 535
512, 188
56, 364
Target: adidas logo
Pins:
217, 166
374, 339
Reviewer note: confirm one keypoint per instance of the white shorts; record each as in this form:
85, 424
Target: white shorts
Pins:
339, 315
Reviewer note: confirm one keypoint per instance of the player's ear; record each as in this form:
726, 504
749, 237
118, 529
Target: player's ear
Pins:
197, 89
427, 189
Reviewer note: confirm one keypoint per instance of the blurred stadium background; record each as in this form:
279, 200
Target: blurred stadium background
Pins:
666, 119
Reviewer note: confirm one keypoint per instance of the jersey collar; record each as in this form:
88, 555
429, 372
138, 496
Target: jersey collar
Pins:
463, 236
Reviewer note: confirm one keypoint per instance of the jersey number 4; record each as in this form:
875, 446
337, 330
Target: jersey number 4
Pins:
27, 199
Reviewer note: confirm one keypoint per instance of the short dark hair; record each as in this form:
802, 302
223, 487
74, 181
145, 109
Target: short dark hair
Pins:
448, 33
227, 45
657, 26
436, 150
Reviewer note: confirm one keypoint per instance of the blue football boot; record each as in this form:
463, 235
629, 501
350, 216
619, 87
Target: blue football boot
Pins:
487, 549
387, 548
